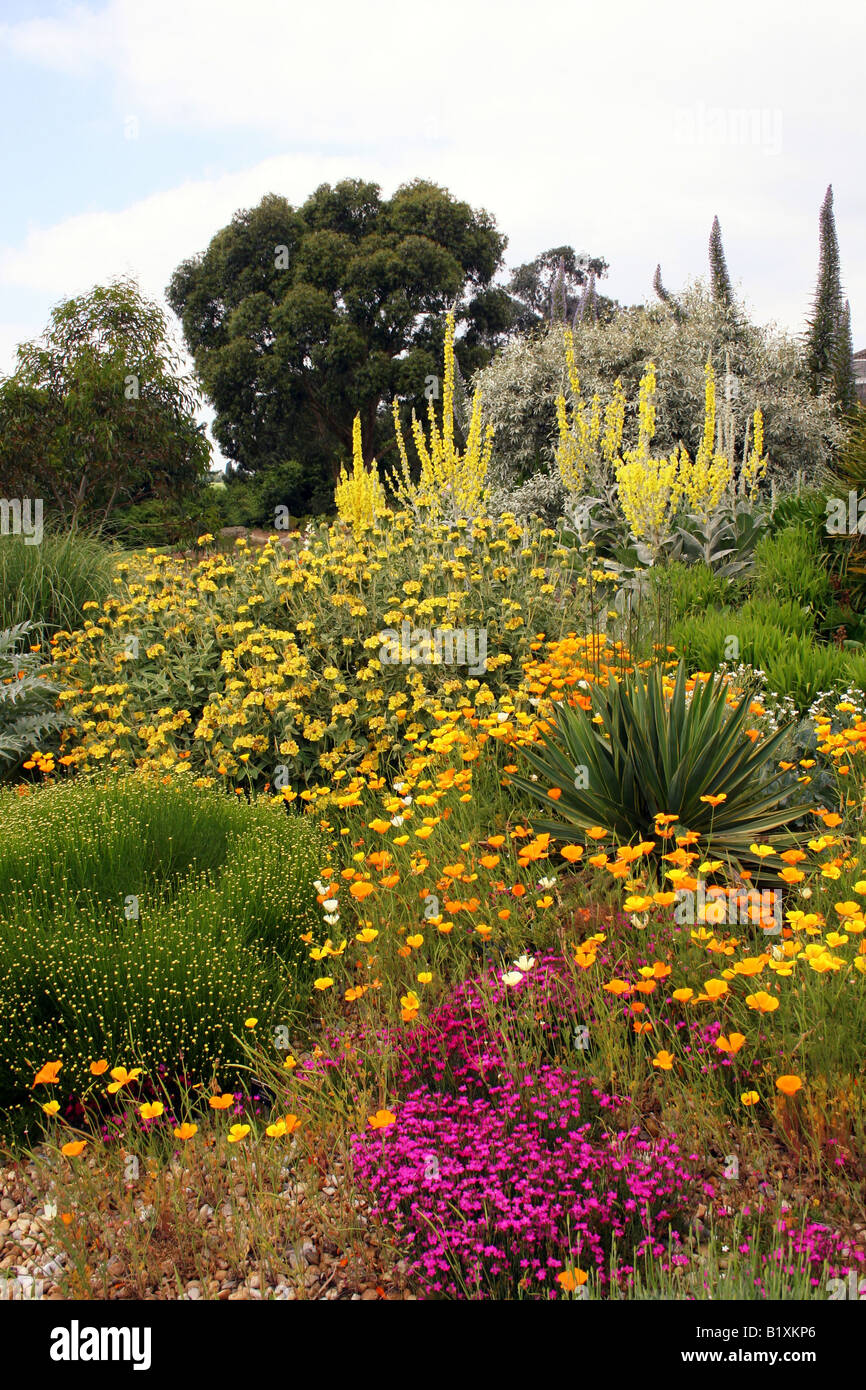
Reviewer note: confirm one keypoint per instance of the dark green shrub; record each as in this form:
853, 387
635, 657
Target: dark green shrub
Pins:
804, 669
681, 589
807, 508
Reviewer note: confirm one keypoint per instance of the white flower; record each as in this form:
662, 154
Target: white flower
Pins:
332, 918
397, 821
547, 882
319, 886
405, 801
512, 977
525, 963
331, 904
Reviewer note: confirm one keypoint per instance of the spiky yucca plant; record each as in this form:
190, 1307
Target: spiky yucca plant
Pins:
640, 752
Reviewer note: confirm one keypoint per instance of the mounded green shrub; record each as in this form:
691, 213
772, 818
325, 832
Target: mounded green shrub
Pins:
776, 638
143, 924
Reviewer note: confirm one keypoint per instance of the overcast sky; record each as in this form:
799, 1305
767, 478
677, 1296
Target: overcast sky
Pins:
134, 129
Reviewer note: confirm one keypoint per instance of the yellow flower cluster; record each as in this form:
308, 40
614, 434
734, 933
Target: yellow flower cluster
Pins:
451, 484
235, 666
650, 490
359, 496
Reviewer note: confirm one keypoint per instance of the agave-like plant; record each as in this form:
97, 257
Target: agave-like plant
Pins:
641, 752
726, 542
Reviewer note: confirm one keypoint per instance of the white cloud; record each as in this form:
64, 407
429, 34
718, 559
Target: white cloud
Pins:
622, 132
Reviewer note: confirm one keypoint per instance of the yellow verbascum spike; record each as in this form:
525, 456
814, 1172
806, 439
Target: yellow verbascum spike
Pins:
359, 497
450, 482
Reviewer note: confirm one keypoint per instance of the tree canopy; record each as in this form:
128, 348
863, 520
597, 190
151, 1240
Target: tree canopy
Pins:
97, 414
555, 286
299, 317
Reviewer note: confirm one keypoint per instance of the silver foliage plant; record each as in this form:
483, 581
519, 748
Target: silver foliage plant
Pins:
766, 368
27, 699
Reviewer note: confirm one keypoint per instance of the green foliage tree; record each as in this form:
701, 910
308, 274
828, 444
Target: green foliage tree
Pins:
553, 288
299, 317
97, 415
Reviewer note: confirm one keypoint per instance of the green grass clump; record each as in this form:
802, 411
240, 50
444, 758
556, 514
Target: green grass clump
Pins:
48, 584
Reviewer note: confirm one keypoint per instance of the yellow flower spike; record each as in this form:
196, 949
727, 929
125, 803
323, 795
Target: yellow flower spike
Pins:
359, 497
450, 483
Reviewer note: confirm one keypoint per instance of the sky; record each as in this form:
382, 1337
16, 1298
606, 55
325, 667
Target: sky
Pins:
134, 131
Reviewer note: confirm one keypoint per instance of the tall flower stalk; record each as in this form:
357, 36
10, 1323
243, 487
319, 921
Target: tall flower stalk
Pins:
359, 495
452, 484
